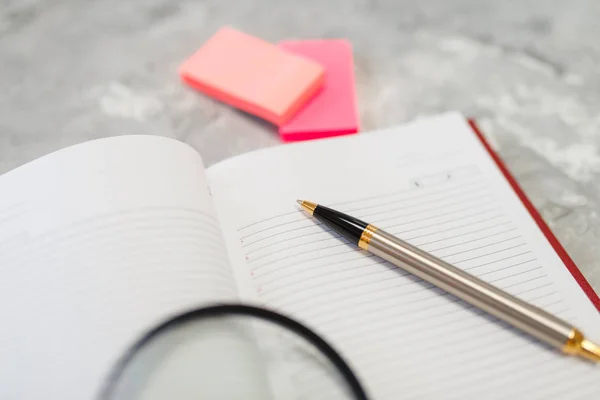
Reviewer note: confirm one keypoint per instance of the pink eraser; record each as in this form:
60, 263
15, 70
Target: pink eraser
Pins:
333, 110
253, 75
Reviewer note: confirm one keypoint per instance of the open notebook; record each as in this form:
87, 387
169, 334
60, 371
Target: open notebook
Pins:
101, 241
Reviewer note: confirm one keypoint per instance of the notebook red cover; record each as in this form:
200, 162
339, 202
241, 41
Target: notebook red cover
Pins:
585, 286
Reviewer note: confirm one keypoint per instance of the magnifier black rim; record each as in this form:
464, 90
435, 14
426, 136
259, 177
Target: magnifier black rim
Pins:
220, 310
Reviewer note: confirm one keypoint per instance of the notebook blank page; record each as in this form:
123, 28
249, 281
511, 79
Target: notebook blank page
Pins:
99, 243
432, 184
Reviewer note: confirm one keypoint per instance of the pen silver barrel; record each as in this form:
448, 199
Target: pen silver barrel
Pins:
508, 308
502, 305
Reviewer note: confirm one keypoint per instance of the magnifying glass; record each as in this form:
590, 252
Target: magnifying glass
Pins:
232, 352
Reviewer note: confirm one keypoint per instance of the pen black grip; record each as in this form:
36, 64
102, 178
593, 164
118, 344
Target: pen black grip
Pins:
349, 227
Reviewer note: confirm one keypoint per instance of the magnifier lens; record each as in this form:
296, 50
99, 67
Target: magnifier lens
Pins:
232, 352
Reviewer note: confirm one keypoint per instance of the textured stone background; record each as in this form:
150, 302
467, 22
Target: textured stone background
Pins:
71, 71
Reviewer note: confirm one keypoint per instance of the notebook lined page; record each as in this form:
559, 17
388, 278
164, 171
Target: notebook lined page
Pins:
402, 335
470, 232
98, 244
457, 220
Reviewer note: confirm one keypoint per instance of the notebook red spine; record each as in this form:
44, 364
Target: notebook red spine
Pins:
587, 288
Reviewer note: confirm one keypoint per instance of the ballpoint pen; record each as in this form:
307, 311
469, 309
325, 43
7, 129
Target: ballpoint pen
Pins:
530, 319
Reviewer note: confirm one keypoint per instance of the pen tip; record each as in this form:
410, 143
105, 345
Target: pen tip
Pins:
308, 206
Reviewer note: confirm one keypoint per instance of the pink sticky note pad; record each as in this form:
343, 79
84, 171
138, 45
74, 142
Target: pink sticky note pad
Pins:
253, 75
333, 110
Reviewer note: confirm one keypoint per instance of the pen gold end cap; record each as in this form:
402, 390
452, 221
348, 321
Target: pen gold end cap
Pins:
578, 345
308, 206
590, 351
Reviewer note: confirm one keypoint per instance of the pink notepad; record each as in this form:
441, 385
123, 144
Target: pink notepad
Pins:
253, 75
333, 110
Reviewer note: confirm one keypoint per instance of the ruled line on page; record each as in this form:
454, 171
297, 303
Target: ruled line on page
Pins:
442, 339
470, 232
473, 173
123, 236
319, 231
491, 365
139, 214
494, 261
444, 308
424, 197
581, 384
470, 327
386, 223
454, 228
544, 365
376, 197
478, 336
478, 191
493, 252
362, 255
326, 232
477, 239
443, 303
375, 321
393, 271
400, 204
332, 236
365, 288
484, 246
356, 255
311, 223
401, 302
329, 264
102, 228
46, 252
338, 238
460, 198
448, 307
585, 390
434, 294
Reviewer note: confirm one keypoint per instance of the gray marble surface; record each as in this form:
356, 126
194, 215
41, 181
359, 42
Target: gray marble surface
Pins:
72, 71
